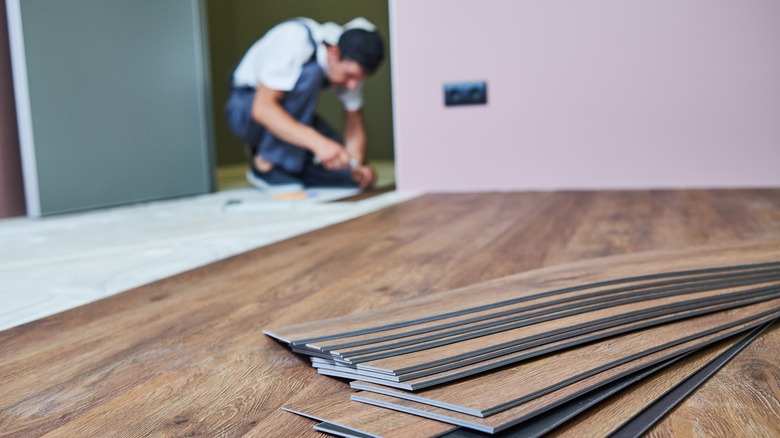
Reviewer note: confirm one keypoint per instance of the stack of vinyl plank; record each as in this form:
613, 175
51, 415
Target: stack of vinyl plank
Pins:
545, 350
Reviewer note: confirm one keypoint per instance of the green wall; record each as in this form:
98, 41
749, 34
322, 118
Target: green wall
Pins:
234, 25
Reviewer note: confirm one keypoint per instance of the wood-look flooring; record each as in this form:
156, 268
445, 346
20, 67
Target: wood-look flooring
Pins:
354, 347
437, 355
558, 282
353, 418
489, 393
739, 400
365, 418
535, 406
186, 356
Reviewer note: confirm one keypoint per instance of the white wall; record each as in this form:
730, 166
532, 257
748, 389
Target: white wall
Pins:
599, 94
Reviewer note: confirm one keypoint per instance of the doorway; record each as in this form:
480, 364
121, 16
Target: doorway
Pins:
234, 25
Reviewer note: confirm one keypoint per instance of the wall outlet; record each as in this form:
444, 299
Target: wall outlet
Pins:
465, 93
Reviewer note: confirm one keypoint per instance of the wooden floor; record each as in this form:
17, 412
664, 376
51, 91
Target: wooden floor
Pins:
186, 356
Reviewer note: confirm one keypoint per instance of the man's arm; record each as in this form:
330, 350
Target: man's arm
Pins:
268, 111
355, 135
355, 142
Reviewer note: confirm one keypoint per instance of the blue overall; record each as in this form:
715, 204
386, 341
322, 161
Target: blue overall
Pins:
300, 103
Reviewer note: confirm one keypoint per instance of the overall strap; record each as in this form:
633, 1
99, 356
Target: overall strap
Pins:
311, 38
325, 81
312, 58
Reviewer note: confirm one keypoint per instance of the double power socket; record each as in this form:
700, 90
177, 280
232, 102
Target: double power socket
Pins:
465, 93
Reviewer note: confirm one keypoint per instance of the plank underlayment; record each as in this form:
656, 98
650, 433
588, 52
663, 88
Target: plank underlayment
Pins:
515, 354
529, 409
184, 356
489, 393
354, 348
601, 272
671, 371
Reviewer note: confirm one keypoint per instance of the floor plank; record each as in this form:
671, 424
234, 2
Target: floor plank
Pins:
488, 393
740, 400
545, 305
608, 416
519, 413
560, 281
339, 409
514, 354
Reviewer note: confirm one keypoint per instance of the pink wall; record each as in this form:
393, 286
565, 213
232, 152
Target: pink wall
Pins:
11, 186
601, 94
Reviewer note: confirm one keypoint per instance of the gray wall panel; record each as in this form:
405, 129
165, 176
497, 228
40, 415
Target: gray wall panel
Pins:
117, 97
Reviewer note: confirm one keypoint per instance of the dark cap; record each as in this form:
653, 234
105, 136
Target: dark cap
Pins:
364, 47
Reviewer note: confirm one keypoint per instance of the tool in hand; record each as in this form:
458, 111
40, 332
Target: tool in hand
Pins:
353, 162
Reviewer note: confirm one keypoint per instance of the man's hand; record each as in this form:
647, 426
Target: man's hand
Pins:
332, 156
355, 135
364, 175
267, 110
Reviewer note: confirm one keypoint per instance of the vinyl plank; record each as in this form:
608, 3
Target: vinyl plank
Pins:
338, 409
454, 373
739, 400
336, 430
334, 407
632, 413
534, 313
527, 410
542, 306
515, 288
419, 357
631, 384
507, 356
317, 353
547, 421
487, 394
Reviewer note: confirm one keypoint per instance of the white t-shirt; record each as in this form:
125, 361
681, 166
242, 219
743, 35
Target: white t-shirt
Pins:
277, 59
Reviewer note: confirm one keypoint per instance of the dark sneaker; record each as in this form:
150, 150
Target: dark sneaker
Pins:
274, 181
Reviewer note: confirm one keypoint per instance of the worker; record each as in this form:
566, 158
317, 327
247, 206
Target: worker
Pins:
274, 92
